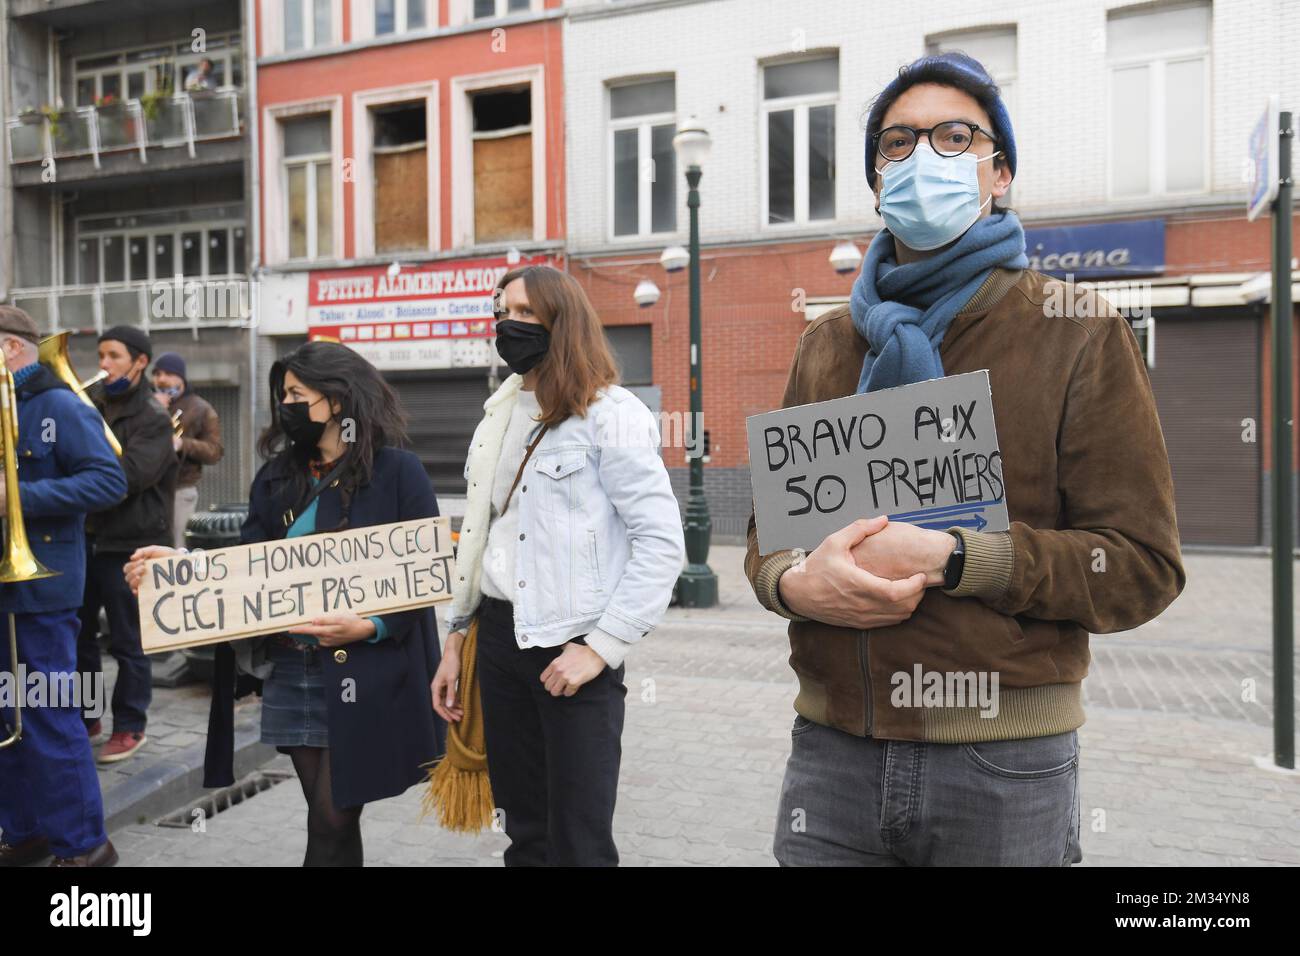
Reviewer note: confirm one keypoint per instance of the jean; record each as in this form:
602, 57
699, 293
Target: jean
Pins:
859, 801
105, 587
48, 785
552, 761
183, 507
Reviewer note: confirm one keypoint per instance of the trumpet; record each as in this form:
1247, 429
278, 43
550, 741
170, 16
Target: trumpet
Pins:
53, 354
18, 563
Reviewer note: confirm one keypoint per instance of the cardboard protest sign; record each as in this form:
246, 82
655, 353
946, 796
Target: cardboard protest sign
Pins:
925, 453
249, 589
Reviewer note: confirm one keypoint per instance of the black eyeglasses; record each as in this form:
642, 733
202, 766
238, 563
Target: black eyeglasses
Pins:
895, 143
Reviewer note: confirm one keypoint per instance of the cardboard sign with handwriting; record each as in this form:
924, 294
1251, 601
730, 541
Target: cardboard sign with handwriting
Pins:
925, 453
250, 589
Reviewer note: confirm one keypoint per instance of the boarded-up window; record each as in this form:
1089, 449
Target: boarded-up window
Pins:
401, 178
503, 165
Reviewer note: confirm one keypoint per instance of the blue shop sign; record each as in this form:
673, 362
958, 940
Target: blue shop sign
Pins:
1098, 250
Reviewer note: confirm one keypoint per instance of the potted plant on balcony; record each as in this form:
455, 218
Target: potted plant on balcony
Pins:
54, 117
151, 104
116, 125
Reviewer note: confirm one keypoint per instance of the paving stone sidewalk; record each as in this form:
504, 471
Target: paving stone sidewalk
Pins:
1171, 770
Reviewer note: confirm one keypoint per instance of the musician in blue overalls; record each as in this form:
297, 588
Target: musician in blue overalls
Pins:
50, 802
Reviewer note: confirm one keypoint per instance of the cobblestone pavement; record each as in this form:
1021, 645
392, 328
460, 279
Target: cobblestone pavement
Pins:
1174, 767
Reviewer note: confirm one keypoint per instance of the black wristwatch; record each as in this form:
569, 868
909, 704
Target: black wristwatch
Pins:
956, 562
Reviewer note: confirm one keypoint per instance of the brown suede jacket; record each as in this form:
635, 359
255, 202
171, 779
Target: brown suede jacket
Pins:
1093, 543
201, 440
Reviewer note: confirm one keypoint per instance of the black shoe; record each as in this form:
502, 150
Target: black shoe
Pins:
21, 854
102, 855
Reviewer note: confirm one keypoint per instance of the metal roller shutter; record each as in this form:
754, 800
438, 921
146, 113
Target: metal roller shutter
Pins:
221, 483
1206, 381
442, 411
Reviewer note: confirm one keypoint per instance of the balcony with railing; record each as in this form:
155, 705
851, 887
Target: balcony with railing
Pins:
178, 303
127, 135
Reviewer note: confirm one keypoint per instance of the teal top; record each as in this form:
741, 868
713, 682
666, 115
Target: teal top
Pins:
306, 524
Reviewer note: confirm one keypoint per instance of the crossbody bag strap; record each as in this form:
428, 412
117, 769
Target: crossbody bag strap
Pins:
520, 473
289, 517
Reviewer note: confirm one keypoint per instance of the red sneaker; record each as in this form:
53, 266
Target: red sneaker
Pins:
94, 728
120, 746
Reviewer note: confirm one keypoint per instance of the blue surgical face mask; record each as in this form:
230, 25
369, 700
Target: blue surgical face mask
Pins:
928, 200
118, 386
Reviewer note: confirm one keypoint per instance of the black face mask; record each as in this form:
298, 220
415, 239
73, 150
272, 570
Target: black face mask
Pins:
522, 344
295, 419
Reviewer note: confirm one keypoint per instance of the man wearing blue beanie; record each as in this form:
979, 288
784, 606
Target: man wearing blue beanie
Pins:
198, 442
981, 768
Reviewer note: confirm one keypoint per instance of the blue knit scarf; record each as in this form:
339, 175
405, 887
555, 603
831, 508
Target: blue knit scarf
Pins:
904, 311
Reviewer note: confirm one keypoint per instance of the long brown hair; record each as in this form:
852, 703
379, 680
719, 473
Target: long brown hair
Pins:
579, 362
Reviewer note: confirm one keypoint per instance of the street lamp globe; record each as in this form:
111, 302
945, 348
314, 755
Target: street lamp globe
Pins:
675, 259
691, 143
845, 257
646, 294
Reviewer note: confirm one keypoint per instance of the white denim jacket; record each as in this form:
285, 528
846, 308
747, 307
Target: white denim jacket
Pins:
601, 542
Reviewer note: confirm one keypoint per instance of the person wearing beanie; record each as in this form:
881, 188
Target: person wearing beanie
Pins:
143, 517
199, 441
50, 802
879, 775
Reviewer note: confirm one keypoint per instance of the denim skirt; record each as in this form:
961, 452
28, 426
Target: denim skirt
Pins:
293, 699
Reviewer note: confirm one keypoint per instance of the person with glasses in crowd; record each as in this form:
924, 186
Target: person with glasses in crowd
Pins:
874, 779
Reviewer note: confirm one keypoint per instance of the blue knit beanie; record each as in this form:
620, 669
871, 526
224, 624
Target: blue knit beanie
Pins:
950, 69
171, 362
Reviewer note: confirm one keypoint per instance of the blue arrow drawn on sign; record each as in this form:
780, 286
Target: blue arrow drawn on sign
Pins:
944, 511
978, 523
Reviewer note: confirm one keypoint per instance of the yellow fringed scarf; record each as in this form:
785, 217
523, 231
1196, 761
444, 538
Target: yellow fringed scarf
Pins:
459, 791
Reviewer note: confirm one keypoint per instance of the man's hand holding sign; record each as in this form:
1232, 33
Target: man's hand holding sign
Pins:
835, 585
868, 482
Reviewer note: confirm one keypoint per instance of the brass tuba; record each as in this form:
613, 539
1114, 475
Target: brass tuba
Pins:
53, 355
18, 562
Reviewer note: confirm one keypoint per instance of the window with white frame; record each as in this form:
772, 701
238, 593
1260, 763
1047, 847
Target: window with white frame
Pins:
798, 134
399, 160
227, 62
502, 142
995, 48
308, 186
483, 9
643, 167
130, 73
307, 23
1159, 65
159, 244
400, 16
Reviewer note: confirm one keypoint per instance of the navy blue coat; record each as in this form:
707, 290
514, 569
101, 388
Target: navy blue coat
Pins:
66, 470
378, 741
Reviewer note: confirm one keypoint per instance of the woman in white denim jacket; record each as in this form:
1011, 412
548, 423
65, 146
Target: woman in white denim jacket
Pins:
569, 550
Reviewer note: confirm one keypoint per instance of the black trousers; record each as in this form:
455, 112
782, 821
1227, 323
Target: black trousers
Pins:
553, 761
106, 588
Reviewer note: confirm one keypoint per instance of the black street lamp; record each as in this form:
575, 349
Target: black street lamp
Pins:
698, 585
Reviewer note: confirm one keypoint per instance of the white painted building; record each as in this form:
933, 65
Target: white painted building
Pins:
1119, 108
1132, 121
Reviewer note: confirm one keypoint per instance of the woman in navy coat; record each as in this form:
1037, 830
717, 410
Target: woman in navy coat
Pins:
347, 696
